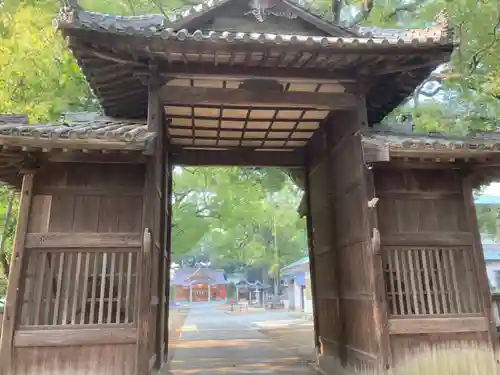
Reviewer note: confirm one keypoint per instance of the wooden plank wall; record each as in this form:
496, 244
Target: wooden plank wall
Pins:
345, 275
324, 275
79, 275
352, 241
431, 267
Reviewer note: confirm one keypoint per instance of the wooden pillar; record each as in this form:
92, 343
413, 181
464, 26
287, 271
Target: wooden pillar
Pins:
150, 327
209, 291
190, 294
16, 275
312, 260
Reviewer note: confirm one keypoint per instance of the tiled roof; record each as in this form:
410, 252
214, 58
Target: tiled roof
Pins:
301, 261
120, 134
184, 14
158, 26
13, 119
189, 276
481, 142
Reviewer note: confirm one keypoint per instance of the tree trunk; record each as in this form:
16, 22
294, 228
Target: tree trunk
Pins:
8, 213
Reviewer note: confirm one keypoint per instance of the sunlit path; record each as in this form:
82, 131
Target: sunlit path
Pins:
212, 343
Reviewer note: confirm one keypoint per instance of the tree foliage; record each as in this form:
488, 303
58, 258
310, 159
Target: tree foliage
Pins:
9, 203
235, 216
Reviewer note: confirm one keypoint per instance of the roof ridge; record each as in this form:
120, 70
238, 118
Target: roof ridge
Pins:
171, 22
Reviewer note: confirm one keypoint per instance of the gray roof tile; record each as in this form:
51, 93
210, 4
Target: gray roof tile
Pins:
157, 26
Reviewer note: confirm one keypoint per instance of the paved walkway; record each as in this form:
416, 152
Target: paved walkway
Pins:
214, 343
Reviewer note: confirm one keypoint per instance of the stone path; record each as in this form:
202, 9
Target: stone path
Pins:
213, 343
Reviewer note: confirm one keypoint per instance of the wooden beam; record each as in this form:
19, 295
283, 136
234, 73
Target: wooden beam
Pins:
78, 144
225, 72
434, 325
418, 194
75, 336
202, 95
96, 157
237, 157
16, 275
428, 164
428, 239
83, 240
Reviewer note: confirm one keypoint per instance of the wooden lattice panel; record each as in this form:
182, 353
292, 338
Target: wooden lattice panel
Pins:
431, 281
80, 287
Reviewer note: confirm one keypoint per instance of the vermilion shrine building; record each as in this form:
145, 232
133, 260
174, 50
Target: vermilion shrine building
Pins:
199, 285
395, 254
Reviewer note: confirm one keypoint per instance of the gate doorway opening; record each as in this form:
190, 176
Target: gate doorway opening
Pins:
236, 236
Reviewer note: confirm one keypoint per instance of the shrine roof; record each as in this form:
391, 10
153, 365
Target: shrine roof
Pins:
99, 134
433, 144
226, 38
193, 276
171, 28
13, 119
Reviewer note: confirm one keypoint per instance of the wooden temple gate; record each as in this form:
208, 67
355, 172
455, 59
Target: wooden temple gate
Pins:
395, 253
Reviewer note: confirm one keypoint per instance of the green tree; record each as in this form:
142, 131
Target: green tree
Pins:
238, 217
8, 215
38, 75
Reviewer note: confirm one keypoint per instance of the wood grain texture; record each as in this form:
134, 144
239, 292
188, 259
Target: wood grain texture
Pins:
82, 240
83, 360
75, 337
429, 258
17, 278
433, 325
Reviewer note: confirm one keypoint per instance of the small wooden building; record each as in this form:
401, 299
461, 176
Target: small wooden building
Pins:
199, 285
395, 254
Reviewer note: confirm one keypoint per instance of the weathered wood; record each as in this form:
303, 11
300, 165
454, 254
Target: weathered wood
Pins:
379, 288
202, 95
312, 260
122, 191
16, 276
428, 239
238, 158
73, 144
477, 258
419, 194
430, 325
163, 176
82, 240
149, 315
237, 72
167, 256
101, 157
75, 337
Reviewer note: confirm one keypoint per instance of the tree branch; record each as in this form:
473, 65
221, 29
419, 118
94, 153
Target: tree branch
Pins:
411, 7
363, 14
476, 58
